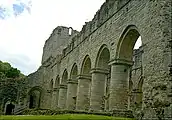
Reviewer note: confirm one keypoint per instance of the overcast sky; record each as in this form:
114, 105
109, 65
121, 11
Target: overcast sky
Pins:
26, 24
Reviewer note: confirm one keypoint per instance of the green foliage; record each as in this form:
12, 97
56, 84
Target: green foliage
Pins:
13, 73
8, 71
11, 81
4, 67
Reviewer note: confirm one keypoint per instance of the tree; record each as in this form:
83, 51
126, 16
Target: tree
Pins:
13, 73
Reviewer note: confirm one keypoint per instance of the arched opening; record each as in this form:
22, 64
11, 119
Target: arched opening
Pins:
101, 80
86, 66
9, 108
103, 58
70, 31
55, 92
35, 97
10, 93
64, 77
127, 43
74, 72
72, 88
32, 101
129, 53
63, 90
84, 85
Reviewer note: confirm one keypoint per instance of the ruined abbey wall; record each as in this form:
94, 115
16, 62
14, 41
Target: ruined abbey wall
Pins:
94, 70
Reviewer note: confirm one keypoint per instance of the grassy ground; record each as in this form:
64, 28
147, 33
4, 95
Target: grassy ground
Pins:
63, 117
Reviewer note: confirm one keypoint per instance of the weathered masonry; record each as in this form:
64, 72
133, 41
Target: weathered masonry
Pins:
97, 69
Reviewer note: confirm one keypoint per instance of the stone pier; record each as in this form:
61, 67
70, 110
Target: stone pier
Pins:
97, 101
83, 94
62, 96
119, 84
71, 94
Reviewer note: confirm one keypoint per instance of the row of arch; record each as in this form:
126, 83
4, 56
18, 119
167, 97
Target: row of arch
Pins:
90, 89
102, 62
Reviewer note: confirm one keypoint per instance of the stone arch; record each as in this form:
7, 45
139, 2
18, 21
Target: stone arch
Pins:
63, 90
84, 85
74, 72
34, 97
121, 68
100, 80
86, 65
64, 77
126, 43
72, 88
57, 82
103, 57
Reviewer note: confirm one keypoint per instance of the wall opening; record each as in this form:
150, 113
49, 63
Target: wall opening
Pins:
70, 31
130, 49
102, 61
86, 67
34, 97
9, 109
64, 77
32, 102
74, 72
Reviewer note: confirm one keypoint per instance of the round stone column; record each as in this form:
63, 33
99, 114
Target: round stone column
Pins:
119, 84
55, 95
62, 96
71, 94
98, 84
83, 93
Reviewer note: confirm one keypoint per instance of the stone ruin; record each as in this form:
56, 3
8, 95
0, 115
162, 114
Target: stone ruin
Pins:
98, 70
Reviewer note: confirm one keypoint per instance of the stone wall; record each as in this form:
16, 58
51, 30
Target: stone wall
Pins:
104, 47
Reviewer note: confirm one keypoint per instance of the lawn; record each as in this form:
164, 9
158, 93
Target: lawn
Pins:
63, 117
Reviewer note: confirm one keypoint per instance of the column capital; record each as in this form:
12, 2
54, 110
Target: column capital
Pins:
88, 77
62, 86
121, 62
100, 70
72, 81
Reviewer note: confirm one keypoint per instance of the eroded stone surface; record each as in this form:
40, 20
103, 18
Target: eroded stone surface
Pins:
144, 87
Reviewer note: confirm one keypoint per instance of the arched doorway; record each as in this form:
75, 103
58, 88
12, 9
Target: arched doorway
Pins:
100, 81
84, 85
121, 68
72, 88
32, 101
35, 95
9, 108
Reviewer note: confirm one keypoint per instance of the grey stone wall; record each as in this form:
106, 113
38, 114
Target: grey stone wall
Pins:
116, 25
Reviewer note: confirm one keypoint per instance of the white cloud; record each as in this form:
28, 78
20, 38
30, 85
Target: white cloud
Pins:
22, 38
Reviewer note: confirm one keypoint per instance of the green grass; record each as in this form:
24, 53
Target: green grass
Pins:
63, 117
